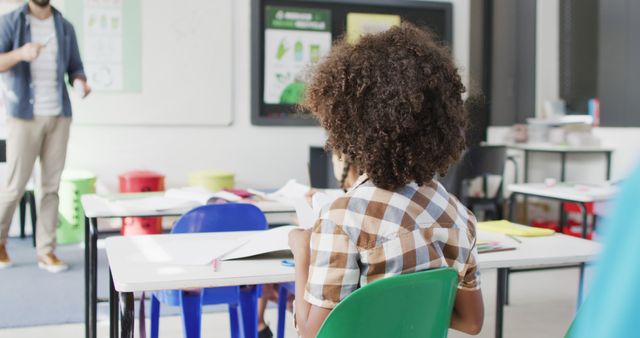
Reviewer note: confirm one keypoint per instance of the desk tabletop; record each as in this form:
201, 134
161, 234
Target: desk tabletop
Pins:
104, 206
542, 147
566, 191
135, 267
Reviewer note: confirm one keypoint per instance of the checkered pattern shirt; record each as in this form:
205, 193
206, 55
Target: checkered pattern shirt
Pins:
372, 233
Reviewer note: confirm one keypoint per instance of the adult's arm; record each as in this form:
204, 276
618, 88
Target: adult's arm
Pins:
10, 57
75, 69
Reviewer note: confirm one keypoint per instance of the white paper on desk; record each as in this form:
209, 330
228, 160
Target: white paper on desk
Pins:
200, 195
151, 204
292, 189
261, 242
200, 251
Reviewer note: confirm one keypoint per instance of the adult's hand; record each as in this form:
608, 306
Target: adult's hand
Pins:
84, 87
29, 51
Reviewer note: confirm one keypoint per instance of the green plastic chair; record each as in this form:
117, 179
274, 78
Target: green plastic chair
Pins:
413, 305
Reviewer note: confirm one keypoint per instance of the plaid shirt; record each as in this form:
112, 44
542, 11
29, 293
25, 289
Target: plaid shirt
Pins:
371, 233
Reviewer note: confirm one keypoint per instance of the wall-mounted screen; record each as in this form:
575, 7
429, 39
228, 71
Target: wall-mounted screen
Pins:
290, 36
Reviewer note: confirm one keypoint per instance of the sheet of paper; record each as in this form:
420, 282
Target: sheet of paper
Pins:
150, 204
306, 215
276, 239
292, 189
309, 214
200, 251
200, 195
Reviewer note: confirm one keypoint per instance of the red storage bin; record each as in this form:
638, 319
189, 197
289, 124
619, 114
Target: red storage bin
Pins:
575, 208
141, 181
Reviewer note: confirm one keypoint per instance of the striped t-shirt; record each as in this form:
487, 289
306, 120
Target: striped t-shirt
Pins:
44, 69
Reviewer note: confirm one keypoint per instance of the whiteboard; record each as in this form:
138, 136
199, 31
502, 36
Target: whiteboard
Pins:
186, 69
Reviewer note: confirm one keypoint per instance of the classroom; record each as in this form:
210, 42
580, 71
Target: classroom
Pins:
319, 168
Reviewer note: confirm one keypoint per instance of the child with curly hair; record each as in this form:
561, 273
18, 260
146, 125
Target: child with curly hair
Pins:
392, 107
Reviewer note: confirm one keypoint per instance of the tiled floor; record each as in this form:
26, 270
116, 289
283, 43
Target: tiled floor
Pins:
542, 305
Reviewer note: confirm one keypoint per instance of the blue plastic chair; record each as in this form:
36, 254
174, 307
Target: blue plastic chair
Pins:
214, 218
283, 296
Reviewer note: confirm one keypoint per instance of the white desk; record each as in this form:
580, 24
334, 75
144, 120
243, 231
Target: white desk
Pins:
529, 148
563, 192
132, 272
96, 206
566, 191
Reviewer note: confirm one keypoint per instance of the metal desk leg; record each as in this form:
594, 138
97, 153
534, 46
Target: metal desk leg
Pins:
512, 207
562, 218
126, 313
93, 274
113, 308
87, 329
502, 278
585, 219
526, 166
580, 286
249, 308
511, 218
563, 166
608, 154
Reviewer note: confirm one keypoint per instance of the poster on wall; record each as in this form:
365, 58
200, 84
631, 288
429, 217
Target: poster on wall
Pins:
103, 44
359, 24
295, 38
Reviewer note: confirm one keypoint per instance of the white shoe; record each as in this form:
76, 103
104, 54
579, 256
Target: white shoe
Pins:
51, 263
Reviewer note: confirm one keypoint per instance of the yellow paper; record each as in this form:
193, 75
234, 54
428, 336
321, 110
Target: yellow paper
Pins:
508, 228
359, 24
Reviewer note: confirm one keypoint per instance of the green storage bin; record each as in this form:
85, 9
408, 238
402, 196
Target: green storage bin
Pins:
74, 183
212, 180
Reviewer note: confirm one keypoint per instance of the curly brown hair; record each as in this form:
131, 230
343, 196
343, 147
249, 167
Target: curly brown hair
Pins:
392, 105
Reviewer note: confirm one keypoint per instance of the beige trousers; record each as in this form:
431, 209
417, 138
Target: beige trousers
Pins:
45, 137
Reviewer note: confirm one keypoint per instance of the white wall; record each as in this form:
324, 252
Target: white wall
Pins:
260, 156
580, 168
547, 52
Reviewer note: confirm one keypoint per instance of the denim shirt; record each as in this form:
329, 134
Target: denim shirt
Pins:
15, 31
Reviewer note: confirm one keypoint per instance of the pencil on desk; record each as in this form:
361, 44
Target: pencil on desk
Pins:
215, 264
514, 238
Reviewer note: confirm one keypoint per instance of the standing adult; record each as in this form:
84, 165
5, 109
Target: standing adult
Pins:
38, 47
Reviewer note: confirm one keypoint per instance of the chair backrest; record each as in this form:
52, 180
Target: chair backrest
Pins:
412, 305
481, 161
220, 218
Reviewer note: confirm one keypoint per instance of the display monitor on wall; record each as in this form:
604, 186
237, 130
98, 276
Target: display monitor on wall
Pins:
289, 37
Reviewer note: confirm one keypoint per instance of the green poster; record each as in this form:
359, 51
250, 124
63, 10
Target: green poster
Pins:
295, 38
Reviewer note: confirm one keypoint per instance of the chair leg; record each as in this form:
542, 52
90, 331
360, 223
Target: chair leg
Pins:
22, 211
249, 308
154, 316
34, 215
191, 313
234, 321
283, 296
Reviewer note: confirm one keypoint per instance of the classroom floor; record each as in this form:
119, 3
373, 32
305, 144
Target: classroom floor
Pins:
543, 304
